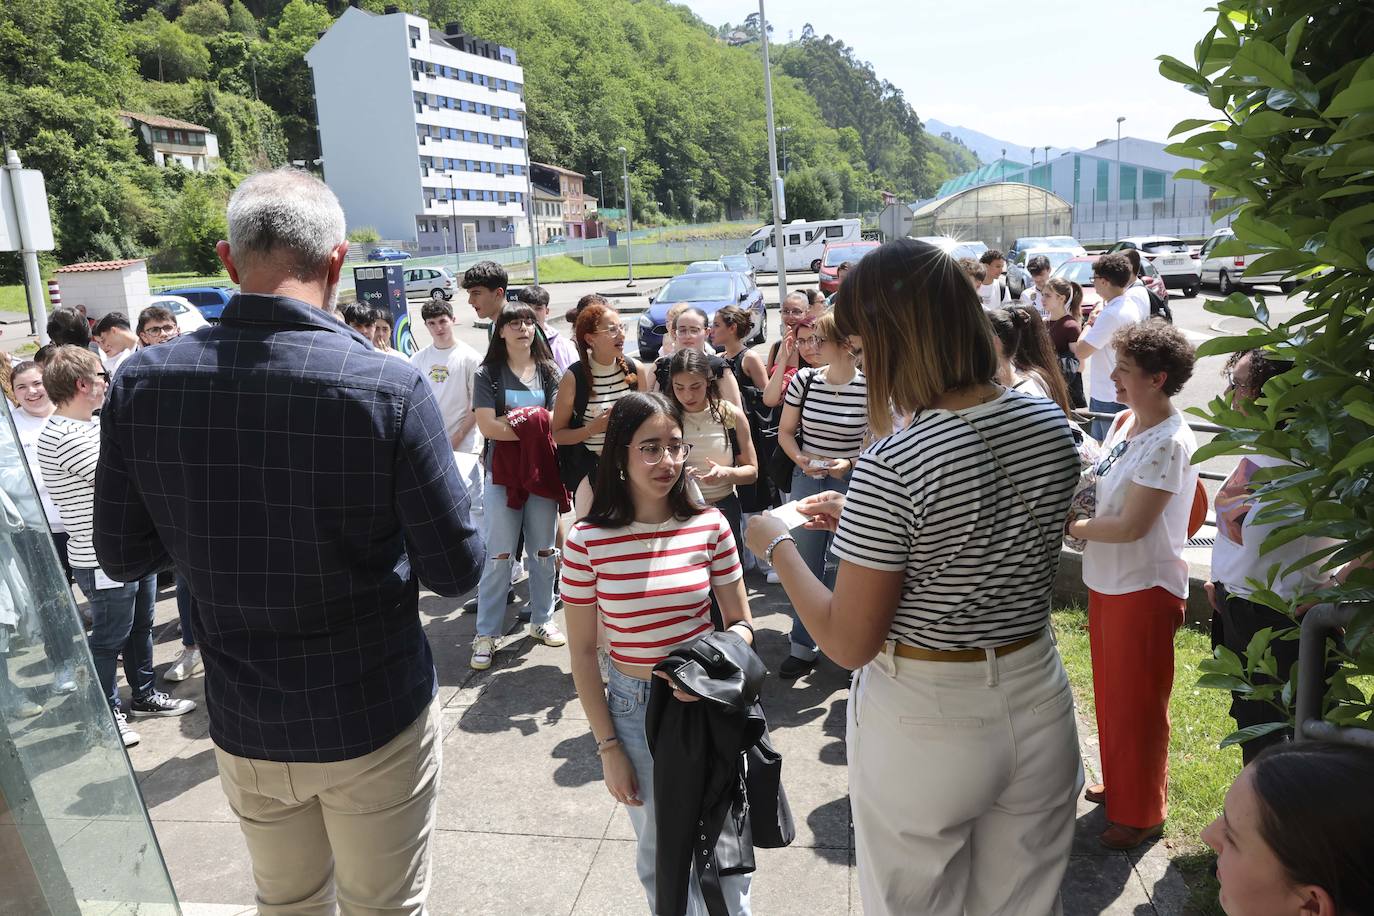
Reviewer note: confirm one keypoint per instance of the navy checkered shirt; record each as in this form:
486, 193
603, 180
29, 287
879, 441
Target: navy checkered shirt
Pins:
304, 485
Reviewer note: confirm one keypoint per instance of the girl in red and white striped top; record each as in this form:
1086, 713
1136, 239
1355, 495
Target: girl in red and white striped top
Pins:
645, 562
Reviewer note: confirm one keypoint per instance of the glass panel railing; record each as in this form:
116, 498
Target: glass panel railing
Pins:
74, 834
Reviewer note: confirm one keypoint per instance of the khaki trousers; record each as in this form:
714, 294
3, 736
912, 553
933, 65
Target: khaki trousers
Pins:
963, 782
357, 830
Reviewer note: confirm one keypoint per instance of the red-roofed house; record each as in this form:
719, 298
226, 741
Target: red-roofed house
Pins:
169, 140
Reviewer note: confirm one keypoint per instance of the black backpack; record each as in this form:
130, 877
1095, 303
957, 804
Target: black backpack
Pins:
763, 432
1159, 305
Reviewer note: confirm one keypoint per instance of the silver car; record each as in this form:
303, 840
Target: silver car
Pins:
429, 283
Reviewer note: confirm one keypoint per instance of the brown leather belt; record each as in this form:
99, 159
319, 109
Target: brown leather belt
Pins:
960, 655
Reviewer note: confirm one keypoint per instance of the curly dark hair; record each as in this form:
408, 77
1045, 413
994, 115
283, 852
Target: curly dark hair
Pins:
1157, 346
1263, 366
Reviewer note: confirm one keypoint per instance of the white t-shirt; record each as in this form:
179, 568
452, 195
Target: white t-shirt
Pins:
68, 452
1118, 313
1031, 296
930, 501
450, 374
29, 427
992, 294
1236, 554
111, 363
1159, 458
1138, 293
834, 418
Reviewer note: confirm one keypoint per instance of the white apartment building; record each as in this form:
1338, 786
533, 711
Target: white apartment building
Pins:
422, 132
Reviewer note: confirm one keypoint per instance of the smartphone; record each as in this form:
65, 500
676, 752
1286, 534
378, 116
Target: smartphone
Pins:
789, 515
821, 464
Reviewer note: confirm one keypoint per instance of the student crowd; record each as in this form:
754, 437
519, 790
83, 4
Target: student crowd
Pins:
923, 423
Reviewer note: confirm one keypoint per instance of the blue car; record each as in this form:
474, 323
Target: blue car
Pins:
708, 292
387, 254
210, 300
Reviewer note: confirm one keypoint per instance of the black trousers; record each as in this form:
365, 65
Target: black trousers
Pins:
1238, 620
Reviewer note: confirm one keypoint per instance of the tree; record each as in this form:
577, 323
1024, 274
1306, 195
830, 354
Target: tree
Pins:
206, 18
811, 194
241, 20
197, 221
1291, 147
166, 51
284, 78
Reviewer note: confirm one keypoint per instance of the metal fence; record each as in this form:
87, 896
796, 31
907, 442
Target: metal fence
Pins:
1108, 221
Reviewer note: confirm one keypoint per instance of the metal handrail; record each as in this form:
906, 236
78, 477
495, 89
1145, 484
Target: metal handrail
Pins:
1318, 623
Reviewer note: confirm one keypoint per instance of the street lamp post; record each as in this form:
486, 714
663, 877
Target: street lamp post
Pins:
773, 161
601, 201
629, 220
1116, 223
782, 132
691, 192
1048, 184
453, 222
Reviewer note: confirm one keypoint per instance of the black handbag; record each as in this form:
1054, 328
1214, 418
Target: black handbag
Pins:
780, 467
770, 815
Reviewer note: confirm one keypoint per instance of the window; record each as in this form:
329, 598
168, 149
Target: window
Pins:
794, 239
834, 232
1151, 185
491, 225
1102, 175
1126, 181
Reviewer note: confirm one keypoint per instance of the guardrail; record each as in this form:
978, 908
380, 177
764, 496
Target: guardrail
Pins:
1320, 622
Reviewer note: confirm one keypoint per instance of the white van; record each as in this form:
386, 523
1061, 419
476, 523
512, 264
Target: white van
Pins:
803, 243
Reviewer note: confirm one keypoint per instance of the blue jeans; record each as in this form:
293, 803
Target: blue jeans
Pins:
185, 604
539, 522
813, 547
628, 698
1100, 426
122, 620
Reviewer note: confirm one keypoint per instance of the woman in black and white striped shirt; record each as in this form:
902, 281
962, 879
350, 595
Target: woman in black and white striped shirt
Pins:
823, 428
961, 741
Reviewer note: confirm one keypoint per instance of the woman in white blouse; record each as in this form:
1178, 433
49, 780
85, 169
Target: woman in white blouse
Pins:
1136, 576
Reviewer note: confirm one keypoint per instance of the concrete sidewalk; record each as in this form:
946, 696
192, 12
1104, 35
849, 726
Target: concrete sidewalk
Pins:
526, 826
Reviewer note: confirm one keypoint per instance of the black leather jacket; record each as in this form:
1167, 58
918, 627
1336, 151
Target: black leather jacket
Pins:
702, 811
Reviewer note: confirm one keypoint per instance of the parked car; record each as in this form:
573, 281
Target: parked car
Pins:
954, 247
187, 315
1021, 248
1056, 256
1227, 273
705, 267
387, 254
428, 283
706, 291
835, 255
739, 263
211, 300
1177, 263
1080, 271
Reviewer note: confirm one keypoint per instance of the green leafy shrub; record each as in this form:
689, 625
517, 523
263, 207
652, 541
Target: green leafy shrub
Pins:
1293, 150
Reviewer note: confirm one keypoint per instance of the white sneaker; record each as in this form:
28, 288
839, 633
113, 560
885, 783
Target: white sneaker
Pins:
64, 679
773, 578
126, 734
549, 634
483, 650
187, 664
24, 708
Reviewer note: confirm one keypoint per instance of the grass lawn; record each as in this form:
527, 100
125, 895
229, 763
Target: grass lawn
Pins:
1199, 772
563, 269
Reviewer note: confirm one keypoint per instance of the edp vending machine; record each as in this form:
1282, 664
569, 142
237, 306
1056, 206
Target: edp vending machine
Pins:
384, 287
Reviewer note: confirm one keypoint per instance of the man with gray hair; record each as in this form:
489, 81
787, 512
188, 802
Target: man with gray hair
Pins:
303, 484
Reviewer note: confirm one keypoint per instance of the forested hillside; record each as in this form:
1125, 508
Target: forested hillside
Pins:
599, 74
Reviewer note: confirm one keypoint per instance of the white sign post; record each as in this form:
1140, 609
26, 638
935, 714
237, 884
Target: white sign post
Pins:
26, 227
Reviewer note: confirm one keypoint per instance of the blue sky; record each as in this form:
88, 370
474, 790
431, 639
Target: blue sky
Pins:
1055, 72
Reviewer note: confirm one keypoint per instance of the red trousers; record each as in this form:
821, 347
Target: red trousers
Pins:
1132, 641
